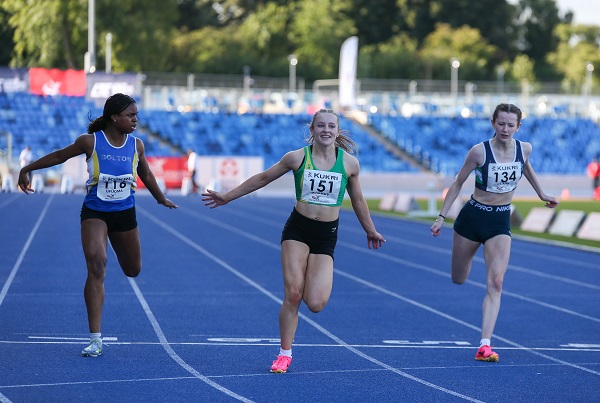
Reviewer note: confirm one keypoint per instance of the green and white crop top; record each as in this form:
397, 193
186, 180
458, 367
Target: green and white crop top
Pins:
314, 186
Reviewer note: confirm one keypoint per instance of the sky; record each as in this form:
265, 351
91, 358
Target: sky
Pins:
586, 11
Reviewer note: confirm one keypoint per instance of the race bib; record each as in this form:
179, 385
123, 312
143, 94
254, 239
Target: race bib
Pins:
503, 177
321, 187
111, 187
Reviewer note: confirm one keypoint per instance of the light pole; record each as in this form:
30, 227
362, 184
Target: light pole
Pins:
91, 53
454, 65
108, 68
589, 68
500, 71
293, 62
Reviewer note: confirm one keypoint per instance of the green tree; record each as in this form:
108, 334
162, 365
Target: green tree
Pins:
6, 38
265, 39
522, 69
53, 33
494, 19
317, 32
47, 33
141, 30
207, 50
464, 43
396, 58
578, 45
376, 21
537, 22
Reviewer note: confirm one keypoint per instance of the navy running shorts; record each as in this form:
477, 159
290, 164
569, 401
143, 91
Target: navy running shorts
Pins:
480, 222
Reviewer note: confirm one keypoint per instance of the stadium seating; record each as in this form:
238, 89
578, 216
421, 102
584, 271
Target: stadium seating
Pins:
562, 146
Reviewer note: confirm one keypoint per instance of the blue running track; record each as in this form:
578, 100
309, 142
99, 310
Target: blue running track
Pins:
200, 322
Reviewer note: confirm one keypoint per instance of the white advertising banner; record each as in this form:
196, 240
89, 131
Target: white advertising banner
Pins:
347, 72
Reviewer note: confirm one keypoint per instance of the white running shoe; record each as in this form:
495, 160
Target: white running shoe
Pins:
93, 350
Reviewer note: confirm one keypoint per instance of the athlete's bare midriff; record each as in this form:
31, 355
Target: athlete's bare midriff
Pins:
318, 212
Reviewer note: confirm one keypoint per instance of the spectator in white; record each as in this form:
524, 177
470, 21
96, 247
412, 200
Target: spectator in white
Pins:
191, 166
26, 157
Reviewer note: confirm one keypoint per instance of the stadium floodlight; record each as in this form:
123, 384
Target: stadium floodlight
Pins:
589, 68
454, 65
293, 62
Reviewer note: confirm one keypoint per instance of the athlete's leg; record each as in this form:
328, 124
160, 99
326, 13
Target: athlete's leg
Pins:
497, 254
463, 250
294, 258
128, 249
94, 241
318, 281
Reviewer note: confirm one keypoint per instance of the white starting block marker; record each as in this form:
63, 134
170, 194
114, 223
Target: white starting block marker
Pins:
405, 203
161, 185
387, 202
590, 229
538, 219
66, 185
8, 183
37, 183
566, 222
186, 186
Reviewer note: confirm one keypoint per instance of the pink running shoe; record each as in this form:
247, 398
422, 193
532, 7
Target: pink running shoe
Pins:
485, 353
281, 364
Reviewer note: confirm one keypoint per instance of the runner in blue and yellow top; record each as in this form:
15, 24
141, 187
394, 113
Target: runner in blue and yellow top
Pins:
115, 159
499, 164
323, 172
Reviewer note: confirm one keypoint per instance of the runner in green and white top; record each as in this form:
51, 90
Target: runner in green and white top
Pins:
323, 172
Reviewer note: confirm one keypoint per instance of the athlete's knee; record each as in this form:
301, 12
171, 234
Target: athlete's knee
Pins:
496, 283
96, 265
293, 297
459, 275
132, 270
316, 305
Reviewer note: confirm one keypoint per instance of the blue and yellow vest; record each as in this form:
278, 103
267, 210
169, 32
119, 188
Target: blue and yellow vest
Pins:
112, 175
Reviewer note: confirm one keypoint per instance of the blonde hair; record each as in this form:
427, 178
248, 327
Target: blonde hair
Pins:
342, 140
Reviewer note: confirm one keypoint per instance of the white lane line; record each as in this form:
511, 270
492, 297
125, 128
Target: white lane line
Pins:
471, 282
398, 296
437, 272
279, 301
9, 200
165, 344
17, 264
429, 247
570, 347
84, 339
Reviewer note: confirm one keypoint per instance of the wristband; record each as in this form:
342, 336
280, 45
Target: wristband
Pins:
439, 215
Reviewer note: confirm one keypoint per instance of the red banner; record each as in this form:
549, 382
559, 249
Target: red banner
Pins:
53, 82
171, 170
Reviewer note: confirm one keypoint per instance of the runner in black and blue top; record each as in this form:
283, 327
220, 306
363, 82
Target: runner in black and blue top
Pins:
323, 172
499, 164
115, 160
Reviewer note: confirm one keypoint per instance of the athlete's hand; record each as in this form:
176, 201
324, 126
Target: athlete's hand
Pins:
436, 228
168, 203
551, 202
375, 239
213, 199
24, 183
